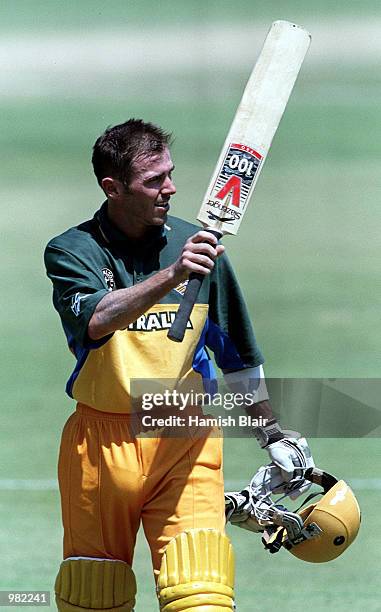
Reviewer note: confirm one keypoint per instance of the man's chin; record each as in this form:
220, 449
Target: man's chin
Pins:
161, 218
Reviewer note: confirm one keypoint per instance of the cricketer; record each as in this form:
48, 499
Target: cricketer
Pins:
131, 261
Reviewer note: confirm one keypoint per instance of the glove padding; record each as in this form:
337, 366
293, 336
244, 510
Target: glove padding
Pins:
290, 457
239, 511
252, 508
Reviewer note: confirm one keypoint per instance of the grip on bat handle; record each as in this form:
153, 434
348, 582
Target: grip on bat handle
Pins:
179, 325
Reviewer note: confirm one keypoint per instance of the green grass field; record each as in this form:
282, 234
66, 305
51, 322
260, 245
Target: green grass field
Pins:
307, 255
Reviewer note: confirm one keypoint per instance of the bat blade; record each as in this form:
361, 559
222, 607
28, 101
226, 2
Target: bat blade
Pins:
247, 144
254, 125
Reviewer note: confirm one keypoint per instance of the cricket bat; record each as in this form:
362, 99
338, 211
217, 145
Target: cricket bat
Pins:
247, 144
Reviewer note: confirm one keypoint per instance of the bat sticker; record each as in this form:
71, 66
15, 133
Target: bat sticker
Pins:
214, 217
236, 176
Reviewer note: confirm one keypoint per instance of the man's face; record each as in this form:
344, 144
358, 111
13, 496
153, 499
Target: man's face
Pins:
145, 201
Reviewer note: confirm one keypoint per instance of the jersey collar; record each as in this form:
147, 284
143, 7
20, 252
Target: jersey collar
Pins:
155, 239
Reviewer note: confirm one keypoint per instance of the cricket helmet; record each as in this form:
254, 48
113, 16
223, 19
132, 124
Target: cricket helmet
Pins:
327, 527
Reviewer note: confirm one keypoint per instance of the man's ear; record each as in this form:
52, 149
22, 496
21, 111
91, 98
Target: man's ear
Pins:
113, 188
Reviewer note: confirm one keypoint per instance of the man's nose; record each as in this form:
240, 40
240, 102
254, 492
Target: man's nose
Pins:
168, 187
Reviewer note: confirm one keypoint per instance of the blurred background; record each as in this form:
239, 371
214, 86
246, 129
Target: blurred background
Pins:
307, 255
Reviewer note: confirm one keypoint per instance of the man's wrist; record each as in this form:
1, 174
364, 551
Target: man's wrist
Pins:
269, 433
175, 275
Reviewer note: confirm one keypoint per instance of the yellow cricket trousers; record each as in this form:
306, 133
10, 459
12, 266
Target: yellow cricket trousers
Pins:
110, 480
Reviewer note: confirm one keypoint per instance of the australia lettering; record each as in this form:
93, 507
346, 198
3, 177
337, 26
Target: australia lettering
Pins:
155, 321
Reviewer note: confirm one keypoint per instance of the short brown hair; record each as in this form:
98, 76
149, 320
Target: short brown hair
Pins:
119, 146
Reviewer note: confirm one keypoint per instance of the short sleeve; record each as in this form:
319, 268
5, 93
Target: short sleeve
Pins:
76, 293
230, 333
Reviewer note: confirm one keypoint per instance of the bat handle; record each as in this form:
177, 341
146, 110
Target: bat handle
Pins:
179, 325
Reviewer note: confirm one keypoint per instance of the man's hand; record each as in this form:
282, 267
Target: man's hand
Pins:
198, 255
117, 309
239, 510
290, 458
289, 454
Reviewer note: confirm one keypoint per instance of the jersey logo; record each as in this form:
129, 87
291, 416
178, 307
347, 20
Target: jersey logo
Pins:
181, 287
109, 278
76, 303
155, 321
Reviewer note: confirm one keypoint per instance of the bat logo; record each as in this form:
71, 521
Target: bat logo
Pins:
233, 185
236, 177
214, 217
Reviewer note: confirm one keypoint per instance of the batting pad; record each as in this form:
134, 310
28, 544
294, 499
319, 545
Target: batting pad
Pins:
197, 573
95, 584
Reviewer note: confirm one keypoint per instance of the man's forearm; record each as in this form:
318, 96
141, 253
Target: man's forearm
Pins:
270, 431
260, 409
121, 307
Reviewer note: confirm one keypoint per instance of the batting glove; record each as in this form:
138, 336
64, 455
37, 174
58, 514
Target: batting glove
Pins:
289, 456
239, 510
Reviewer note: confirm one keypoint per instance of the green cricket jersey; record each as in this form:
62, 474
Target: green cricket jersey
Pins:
86, 262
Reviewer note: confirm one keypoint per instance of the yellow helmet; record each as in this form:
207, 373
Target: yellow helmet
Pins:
329, 526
